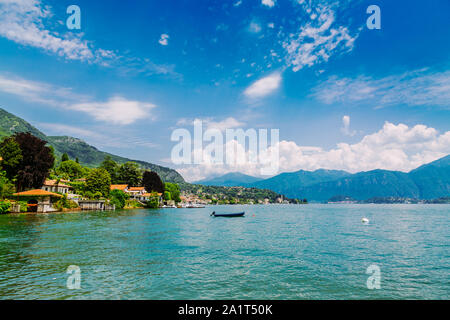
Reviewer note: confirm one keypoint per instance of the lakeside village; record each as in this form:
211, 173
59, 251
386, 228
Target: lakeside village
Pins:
33, 180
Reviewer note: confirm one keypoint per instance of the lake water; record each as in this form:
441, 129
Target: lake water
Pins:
275, 252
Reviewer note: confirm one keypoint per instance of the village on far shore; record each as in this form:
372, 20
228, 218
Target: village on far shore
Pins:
33, 180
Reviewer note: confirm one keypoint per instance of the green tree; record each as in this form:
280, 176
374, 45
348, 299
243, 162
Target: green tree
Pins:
152, 182
6, 187
112, 167
77, 160
98, 180
12, 156
129, 173
65, 157
118, 197
174, 191
70, 168
36, 163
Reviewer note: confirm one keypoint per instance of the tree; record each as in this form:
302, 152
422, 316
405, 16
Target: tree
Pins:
98, 180
174, 191
77, 160
64, 157
118, 197
152, 182
129, 173
112, 167
71, 169
6, 187
12, 156
37, 160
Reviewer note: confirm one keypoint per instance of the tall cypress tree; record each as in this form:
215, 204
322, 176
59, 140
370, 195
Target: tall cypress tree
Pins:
152, 182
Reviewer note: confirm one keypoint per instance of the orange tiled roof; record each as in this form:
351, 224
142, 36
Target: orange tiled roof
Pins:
36, 193
136, 189
118, 186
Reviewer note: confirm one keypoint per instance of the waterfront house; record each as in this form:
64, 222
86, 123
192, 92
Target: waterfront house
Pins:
56, 186
136, 192
38, 200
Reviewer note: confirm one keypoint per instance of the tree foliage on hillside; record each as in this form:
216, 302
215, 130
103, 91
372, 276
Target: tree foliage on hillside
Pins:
98, 181
112, 167
152, 182
12, 156
33, 166
130, 174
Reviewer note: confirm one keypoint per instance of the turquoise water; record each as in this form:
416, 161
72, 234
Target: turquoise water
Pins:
275, 252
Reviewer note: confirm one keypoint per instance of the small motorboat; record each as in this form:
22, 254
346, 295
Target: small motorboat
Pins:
365, 220
227, 215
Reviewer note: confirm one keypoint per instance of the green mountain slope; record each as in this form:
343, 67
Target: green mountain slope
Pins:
232, 179
76, 148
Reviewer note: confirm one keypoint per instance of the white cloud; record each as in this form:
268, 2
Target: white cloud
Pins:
31, 23
264, 86
346, 126
34, 91
25, 22
237, 3
393, 147
269, 3
254, 27
164, 39
415, 88
209, 123
317, 40
116, 110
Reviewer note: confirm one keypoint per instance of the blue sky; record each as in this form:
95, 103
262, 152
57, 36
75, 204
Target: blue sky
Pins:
342, 96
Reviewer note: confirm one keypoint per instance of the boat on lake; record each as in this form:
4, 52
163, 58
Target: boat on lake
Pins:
227, 215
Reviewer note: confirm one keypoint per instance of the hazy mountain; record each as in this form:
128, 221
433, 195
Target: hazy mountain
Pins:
76, 148
290, 182
429, 181
232, 179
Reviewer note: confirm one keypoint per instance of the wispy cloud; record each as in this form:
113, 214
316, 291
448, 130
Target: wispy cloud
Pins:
164, 39
415, 88
264, 86
24, 22
117, 110
211, 123
29, 23
269, 3
346, 127
317, 40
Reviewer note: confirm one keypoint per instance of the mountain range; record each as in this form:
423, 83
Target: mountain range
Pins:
232, 179
428, 181
76, 148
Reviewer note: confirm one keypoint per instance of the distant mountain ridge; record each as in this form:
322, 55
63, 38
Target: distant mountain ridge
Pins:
429, 181
76, 148
232, 179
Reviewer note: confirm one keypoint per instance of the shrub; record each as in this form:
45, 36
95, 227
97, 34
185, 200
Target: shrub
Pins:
4, 206
23, 206
118, 197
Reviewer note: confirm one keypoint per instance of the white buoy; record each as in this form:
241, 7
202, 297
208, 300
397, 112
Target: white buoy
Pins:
365, 220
